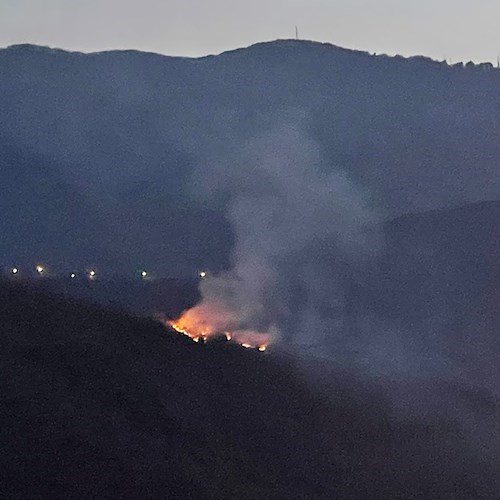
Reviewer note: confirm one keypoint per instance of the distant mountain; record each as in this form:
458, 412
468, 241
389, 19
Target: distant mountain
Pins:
122, 137
431, 303
45, 219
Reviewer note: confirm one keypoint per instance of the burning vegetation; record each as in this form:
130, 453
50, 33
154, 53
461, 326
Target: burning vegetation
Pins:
204, 322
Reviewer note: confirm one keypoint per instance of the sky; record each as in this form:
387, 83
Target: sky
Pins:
458, 30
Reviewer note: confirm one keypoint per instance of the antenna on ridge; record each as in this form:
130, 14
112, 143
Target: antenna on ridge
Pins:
296, 32
498, 61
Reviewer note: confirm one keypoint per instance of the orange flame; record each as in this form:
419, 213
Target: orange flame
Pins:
207, 320
203, 320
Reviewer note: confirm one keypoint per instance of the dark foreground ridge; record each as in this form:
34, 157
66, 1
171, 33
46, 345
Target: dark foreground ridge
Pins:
98, 403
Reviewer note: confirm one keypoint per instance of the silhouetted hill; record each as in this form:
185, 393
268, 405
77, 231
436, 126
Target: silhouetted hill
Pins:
145, 298
128, 134
430, 304
96, 403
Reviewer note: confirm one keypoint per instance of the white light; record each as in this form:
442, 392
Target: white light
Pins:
144, 274
72, 275
40, 269
92, 274
15, 270
203, 274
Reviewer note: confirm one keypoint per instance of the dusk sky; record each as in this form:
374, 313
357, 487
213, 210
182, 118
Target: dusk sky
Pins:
459, 30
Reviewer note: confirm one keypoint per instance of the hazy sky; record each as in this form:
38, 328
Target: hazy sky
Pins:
456, 29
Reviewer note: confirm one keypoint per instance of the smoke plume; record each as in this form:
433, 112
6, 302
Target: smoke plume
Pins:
297, 227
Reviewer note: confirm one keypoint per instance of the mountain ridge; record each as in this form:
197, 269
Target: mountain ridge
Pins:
280, 42
137, 135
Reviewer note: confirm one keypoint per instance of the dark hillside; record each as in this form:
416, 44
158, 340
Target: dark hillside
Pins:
135, 296
99, 404
431, 302
447, 257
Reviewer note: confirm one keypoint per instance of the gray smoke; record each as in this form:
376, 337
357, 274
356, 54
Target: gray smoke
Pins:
302, 238
294, 221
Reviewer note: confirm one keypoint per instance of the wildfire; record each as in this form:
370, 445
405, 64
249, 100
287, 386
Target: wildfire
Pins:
178, 329
204, 321
201, 321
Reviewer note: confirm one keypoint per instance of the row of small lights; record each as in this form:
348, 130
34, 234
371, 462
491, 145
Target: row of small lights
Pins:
90, 274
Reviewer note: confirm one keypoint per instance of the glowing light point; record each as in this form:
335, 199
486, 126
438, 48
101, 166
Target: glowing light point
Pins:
246, 346
144, 274
92, 274
72, 275
14, 270
262, 348
203, 274
228, 336
40, 269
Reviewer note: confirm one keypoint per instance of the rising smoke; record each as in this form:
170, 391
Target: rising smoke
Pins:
302, 237
298, 226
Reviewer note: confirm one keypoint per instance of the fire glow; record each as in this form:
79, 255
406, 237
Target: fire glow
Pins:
204, 321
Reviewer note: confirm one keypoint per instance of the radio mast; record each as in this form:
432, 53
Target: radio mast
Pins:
296, 32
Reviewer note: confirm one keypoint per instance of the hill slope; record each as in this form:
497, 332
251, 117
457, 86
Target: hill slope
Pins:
97, 403
128, 131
